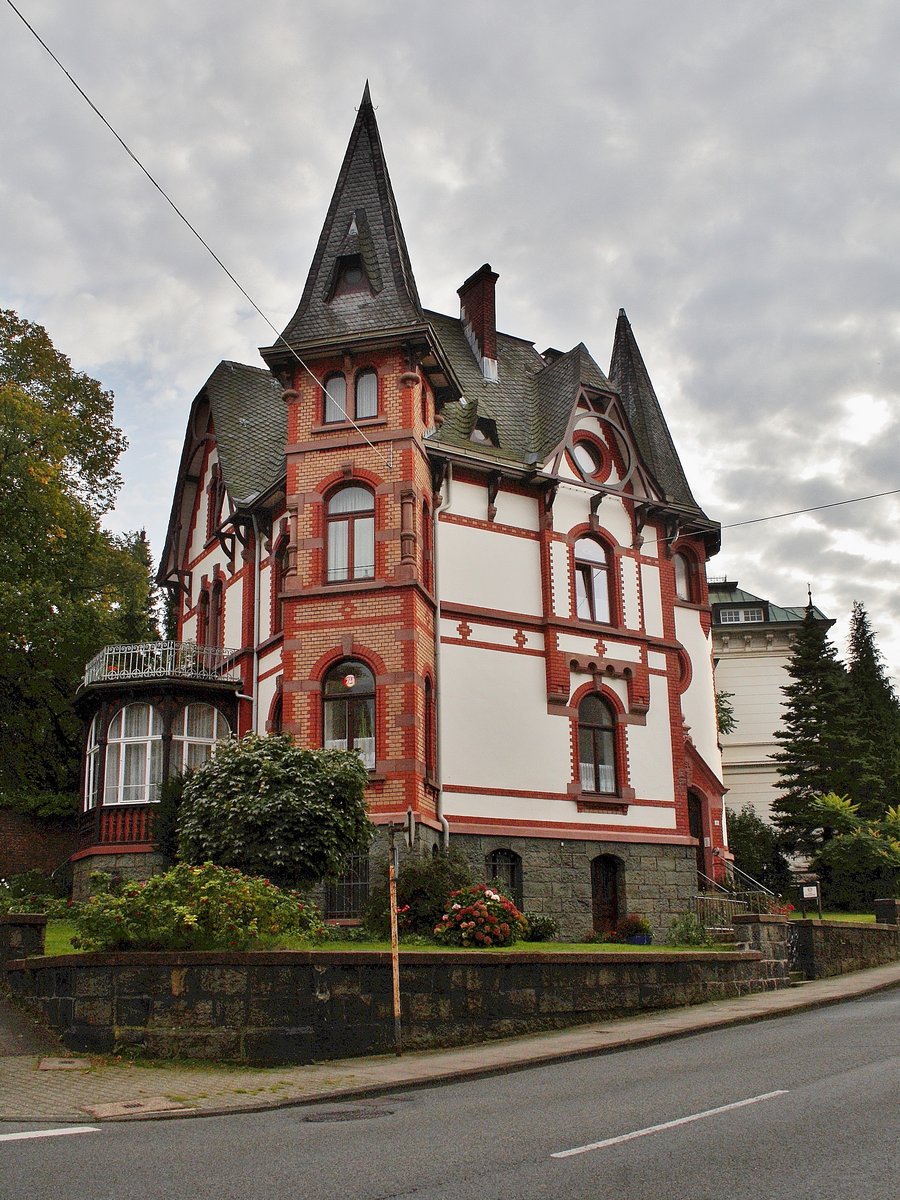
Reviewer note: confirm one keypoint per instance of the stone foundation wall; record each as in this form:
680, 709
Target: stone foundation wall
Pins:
659, 881
122, 867
293, 1007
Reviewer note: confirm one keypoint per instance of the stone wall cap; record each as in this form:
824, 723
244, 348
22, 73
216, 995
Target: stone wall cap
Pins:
23, 919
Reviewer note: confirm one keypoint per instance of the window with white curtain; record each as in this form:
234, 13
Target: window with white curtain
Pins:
366, 395
349, 709
596, 746
198, 728
92, 765
133, 756
350, 515
335, 399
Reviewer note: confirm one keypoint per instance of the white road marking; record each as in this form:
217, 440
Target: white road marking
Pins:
42, 1133
627, 1137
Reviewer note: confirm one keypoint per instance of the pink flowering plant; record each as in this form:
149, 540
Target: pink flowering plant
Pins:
195, 908
480, 915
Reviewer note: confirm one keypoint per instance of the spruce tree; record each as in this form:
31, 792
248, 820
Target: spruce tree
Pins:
876, 719
820, 751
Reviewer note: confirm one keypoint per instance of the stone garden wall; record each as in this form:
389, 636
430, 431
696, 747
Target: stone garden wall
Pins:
295, 1007
835, 947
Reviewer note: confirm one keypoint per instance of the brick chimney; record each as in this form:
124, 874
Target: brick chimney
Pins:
476, 311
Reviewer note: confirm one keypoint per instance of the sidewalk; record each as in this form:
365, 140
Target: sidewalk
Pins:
34, 1087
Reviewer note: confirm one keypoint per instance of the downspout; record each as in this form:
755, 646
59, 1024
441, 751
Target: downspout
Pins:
257, 571
438, 741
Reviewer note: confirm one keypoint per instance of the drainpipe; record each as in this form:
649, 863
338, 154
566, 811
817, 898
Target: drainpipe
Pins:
256, 578
445, 504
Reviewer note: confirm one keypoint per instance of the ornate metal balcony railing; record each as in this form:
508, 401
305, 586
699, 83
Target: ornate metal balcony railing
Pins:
163, 660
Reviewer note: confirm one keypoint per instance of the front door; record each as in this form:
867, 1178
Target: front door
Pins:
695, 825
605, 882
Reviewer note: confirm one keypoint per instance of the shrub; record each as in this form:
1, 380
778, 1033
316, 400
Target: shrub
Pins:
33, 892
270, 808
756, 847
423, 891
857, 867
542, 927
194, 908
480, 915
688, 930
166, 812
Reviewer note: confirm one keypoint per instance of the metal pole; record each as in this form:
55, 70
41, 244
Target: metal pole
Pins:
395, 948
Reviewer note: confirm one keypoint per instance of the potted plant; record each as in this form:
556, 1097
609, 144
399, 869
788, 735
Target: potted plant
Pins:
634, 930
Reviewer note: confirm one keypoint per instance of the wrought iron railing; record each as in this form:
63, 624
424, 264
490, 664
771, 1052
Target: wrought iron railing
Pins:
163, 660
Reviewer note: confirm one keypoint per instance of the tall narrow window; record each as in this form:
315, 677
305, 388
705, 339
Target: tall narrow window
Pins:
279, 570
596, 746
203, 618
335, 399
682, 577
198, 728
92, 765
214, 623
366, 395
351, 534
427, 551
592, 581
133, 756
349, 709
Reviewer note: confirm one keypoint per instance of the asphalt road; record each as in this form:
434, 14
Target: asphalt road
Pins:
805, 1107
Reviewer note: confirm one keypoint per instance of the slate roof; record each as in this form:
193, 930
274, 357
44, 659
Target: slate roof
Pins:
730, 595
362, 219
250, 420
631, 380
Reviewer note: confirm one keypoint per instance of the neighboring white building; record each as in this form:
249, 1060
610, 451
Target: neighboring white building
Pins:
752, 640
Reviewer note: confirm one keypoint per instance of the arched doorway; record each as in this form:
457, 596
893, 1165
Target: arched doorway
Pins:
695, 826
607, 892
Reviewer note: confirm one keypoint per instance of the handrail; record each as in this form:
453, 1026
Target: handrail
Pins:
757, 886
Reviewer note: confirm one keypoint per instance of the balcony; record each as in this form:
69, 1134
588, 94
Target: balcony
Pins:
163, 660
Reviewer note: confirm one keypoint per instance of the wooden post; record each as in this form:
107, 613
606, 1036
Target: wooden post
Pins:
395, 948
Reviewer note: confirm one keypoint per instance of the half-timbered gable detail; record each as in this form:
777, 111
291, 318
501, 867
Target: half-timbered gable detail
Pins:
478, 565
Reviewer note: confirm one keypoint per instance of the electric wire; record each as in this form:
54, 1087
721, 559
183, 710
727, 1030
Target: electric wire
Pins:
388, 461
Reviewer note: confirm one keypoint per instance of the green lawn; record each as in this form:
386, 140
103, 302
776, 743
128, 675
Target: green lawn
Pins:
60, 933
833, 916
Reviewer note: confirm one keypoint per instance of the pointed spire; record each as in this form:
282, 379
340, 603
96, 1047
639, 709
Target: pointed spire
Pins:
361, 279
631, 379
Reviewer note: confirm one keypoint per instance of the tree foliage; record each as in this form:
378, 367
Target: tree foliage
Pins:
876, 718
65, 583
820, 750
270, 808
860, 862
757, 849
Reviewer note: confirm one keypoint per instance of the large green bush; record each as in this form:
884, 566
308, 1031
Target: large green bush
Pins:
757, 851
194, 908
268, 807
423, 890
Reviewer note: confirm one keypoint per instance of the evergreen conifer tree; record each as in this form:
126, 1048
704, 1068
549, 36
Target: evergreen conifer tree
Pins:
876, 719
820, 751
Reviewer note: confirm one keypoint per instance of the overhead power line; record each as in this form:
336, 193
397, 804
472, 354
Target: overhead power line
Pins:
796, 512
388, 461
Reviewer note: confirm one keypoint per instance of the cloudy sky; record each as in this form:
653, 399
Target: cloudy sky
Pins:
729, 173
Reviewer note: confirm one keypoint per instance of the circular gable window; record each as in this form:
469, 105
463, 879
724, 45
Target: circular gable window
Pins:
591, 457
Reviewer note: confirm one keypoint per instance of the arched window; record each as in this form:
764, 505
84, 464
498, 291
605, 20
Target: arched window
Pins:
350, 516
214, 623
596, 746
335, 399
279, 570
92, 765
682, 565
592, 581
349, 709
203, 618
133, 756
505, 868
197, 730
366, 395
